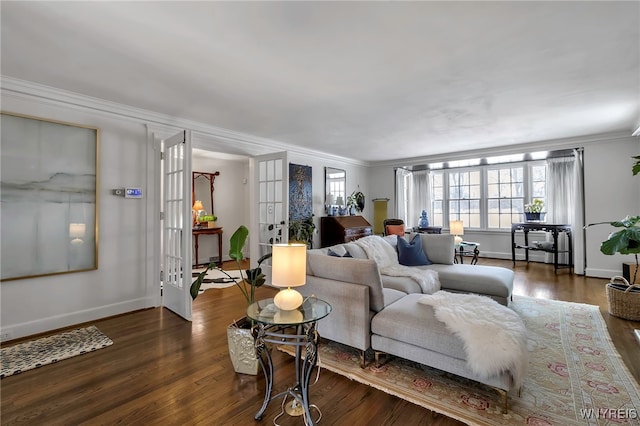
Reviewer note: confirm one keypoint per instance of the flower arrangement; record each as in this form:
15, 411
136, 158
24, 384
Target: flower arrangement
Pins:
535, 206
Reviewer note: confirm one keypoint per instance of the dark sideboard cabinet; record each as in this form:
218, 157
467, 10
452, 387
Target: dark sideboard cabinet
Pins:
342, 229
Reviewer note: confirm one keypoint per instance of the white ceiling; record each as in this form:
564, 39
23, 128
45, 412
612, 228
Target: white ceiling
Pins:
365, 80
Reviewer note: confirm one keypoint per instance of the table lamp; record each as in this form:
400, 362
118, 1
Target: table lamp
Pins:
76, 232
197, 208
288, 269
457, 229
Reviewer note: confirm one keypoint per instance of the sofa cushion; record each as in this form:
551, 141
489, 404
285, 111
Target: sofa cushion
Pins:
479, 279
355, 250
439, 248
358, 271
411, 322
394, 230
405, 284
411, 253
391, 295
345, 253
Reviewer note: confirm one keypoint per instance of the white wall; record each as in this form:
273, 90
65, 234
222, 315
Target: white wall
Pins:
120, 283
611, 193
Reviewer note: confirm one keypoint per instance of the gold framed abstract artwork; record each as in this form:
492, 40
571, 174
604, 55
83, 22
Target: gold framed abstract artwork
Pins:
49, 199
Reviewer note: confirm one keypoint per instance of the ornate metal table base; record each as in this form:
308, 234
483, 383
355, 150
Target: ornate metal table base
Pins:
305, 336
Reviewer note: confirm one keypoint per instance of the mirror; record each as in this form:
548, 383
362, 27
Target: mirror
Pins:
335, 186
202, 189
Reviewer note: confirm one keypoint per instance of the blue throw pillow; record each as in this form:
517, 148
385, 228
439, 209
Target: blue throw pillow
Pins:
334, 254
410, 253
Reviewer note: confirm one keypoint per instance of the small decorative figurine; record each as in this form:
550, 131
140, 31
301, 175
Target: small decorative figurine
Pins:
424, 221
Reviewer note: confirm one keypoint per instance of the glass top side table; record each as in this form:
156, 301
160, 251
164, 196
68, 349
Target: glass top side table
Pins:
466, 248
271, 326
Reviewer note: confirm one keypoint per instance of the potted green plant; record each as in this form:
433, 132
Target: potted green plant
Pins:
302, 230
239, 337
355, 202
533, 211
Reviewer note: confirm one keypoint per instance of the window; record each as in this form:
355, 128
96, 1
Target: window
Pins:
437, 198
464, 197
505, 196
489, 196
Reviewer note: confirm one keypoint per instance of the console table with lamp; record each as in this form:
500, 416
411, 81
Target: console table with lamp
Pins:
198, 208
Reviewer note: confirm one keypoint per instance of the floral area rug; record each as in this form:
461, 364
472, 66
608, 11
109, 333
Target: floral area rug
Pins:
47, 350
575, 375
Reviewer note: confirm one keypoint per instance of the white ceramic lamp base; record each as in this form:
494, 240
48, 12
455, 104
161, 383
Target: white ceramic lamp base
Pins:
288, 299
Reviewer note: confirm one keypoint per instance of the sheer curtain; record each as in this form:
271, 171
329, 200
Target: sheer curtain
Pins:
418, 197
401, 194
564, 204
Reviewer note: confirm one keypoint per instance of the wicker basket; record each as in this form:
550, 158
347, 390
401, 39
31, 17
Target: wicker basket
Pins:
623, 299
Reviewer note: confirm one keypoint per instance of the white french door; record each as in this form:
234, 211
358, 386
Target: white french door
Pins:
176, 179
270, 180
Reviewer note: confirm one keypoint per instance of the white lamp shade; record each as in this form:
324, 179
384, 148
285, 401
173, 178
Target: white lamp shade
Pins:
289, 265
339, 201
77, 230
456, 227
329, 199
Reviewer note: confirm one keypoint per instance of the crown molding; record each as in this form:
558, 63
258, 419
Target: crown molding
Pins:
204, 136
546, 145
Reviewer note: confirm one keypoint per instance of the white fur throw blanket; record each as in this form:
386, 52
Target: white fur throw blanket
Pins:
494, 336
386, 257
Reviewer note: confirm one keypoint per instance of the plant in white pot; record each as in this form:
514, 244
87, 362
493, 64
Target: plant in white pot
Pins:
239, 336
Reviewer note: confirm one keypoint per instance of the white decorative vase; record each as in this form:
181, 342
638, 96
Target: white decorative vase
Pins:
242, 349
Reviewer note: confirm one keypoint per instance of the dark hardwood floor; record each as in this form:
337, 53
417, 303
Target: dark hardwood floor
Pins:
164, 370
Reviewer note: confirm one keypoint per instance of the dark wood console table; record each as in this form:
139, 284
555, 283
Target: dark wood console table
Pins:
208, 231
555, 230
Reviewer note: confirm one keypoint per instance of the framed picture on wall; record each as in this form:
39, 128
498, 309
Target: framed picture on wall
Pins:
48, 193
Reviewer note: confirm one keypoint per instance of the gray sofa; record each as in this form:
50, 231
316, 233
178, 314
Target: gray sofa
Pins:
491, 281
382, 313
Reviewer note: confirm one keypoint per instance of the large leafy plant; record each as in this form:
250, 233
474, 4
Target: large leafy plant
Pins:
624, 241
252, 278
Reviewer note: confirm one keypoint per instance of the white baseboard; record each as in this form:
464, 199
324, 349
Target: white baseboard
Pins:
16, 331
601, 273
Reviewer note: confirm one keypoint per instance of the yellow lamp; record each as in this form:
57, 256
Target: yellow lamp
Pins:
288, 269
456, 228
197, 208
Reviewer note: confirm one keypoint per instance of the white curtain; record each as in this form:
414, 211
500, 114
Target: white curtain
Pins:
418, 197
564, 205
401, 194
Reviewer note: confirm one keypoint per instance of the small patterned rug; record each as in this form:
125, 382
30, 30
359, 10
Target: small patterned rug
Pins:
217, 279
575, 377
47, 350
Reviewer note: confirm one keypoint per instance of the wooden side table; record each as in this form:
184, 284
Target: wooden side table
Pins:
207, 231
